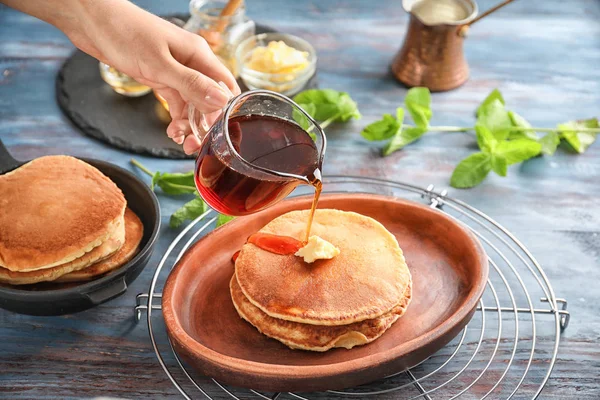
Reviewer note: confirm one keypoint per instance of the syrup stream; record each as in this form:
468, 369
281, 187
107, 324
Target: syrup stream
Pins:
318, 185
285, 245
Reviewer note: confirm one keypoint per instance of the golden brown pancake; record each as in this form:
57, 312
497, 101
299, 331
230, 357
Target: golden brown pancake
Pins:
366, 280
134, 230
316, 337
54, 210
106, 249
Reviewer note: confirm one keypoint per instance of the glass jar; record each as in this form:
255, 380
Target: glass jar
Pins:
121, 83
223, 34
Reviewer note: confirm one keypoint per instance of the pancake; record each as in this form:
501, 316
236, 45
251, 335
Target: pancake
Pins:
134, 230
54, 210
316, 337
106, 249
366, 280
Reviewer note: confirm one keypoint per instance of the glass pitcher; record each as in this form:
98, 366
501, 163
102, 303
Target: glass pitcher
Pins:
260, 148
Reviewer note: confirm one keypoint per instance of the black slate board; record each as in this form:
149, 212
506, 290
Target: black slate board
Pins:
133, 124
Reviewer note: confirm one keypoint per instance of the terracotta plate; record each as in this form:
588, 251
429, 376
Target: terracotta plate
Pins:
449, 269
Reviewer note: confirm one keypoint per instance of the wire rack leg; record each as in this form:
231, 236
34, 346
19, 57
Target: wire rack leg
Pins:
418, 385
565, 316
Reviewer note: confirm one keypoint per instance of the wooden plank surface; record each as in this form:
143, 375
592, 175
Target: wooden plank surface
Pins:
544, 56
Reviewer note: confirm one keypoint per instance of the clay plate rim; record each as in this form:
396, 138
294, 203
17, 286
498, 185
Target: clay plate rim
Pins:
275, 371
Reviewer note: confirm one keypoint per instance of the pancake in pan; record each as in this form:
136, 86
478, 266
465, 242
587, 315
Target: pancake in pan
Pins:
366, 280
316, 337
106, 249
134, 230
54, 210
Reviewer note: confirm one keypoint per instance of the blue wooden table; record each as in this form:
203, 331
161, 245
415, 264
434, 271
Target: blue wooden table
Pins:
544, 56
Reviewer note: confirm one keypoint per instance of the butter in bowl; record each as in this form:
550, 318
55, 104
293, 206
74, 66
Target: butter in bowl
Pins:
274, 61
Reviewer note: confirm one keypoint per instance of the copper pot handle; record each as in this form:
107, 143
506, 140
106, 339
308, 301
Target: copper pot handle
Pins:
463, 30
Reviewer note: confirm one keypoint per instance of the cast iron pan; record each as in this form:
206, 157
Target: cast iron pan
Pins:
59, 299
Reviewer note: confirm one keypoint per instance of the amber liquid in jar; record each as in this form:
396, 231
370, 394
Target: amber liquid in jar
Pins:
264, 141
122, 83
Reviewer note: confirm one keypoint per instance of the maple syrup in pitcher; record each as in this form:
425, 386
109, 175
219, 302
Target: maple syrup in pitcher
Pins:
266, 142
259, 149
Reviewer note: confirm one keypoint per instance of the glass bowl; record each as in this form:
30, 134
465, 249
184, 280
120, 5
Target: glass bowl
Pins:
285, 83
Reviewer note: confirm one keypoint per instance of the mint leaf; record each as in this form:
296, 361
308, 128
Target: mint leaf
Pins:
189, 211
317, 104
300, 118
518, 150
388, 127
222, 219
485, 140
549, 143
402, 137
494, 95
383, 129
495, 117
499, 164
471, 171
418, 103
579, 141
174, 183
325, 104
406, 136
397, 142
348, 107
520, 122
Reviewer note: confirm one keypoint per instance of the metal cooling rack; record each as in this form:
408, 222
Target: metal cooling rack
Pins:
506, 351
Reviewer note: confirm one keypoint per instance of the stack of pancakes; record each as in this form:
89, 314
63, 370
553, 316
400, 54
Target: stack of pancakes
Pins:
347, 301
62, 220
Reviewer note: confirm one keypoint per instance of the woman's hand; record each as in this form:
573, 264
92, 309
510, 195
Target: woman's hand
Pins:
178, 64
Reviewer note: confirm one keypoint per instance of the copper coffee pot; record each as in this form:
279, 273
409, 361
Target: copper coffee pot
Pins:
432, 54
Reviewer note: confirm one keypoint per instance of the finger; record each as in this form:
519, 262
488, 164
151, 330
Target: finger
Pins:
204, 93
191, 144
236, 90
179, 139
204, 60
179, 127
176, 103
197, 54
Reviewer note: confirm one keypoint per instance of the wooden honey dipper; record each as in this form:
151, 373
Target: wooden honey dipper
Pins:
213, 36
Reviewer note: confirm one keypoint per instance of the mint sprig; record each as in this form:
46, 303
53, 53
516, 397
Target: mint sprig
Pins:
189, 211
179, 184
503, 136
417, 101
496, 155
326, 106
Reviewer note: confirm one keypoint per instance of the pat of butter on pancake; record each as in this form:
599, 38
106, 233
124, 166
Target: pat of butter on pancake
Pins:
317, 249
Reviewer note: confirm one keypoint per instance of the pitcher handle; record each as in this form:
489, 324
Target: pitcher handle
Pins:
198, 122
463, 30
